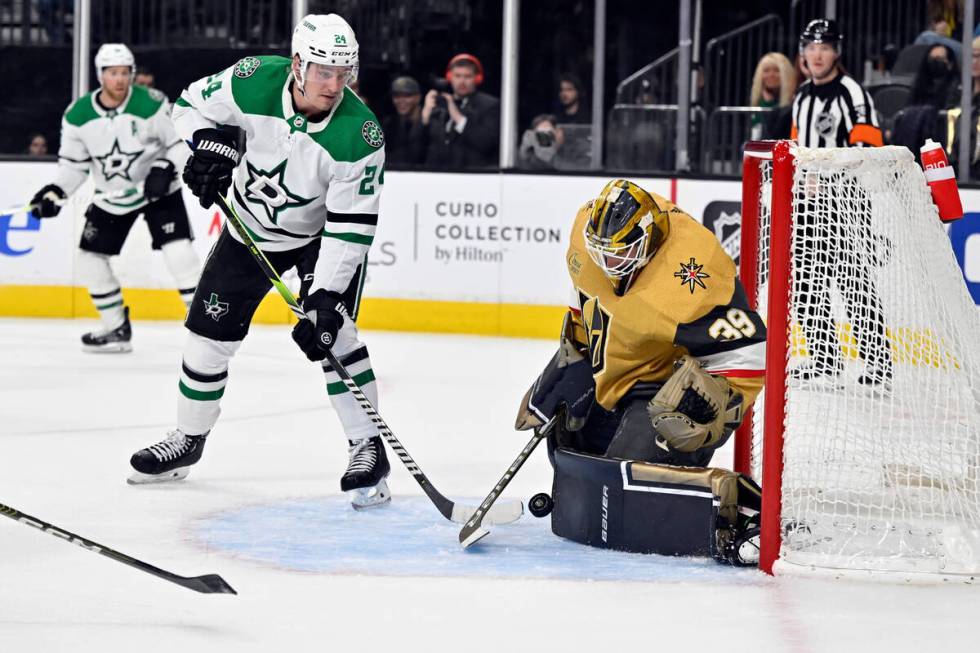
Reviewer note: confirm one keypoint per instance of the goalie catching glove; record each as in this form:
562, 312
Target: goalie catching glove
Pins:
695, 410
566, 381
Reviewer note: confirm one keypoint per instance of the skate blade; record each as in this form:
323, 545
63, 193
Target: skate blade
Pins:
370, 497
139, 478
114, 348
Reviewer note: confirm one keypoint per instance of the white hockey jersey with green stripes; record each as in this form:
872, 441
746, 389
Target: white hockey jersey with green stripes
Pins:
117, 146
298, 180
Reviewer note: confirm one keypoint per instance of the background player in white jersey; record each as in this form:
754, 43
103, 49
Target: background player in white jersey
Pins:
308, 192
122, 135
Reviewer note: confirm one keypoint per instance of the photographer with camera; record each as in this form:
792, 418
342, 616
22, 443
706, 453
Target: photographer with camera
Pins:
540, 143
463, 125
547, 146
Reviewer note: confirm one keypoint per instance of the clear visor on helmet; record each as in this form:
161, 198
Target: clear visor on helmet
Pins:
616, 260
323, 73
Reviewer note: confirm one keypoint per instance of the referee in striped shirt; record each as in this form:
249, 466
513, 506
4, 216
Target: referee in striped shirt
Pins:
833, 110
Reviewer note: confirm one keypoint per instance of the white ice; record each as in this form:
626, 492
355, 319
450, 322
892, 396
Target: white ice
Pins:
263, 509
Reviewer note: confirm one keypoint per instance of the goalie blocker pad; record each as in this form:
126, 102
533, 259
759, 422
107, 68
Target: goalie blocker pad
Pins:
643, 507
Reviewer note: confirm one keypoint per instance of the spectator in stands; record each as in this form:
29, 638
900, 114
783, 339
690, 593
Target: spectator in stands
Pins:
833, 110
936, 88
975, 145
937, 82
572, 108
547, 145
773, 86
463, 127
404, 134
144, 77
38, 145
938, 33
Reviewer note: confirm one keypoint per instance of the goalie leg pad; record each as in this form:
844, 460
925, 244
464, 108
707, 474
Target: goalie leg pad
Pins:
642, 507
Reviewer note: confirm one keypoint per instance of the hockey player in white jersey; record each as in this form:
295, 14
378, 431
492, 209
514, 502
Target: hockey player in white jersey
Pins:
307, 190
121, 134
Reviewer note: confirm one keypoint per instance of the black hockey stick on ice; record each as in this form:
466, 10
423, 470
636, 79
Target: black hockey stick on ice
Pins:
449, 509
473, 531
208, 584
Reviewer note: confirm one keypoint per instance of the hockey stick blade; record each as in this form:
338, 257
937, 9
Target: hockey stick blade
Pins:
473, 530
208, 584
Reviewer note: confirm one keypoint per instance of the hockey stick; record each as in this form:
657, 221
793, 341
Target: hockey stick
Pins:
449, 509
114, 195
208, 584
473, 531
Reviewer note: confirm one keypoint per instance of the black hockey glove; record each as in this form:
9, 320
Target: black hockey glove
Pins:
158, 181
316, 335
209, 169
45, 201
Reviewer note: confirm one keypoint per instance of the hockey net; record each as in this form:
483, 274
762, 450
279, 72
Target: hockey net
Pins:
866, 439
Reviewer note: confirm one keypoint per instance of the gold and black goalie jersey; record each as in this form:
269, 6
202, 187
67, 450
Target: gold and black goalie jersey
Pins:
687, 299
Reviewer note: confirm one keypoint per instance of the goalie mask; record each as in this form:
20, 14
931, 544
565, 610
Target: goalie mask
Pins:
114, 54
625, 229
326, 40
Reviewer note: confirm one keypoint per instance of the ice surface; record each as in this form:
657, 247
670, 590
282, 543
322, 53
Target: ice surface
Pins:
264, 510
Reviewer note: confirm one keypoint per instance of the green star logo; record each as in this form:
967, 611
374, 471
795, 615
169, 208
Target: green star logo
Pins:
117, 163
215, 309
268, 189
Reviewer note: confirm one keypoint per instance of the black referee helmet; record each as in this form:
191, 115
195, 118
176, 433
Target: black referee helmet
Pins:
822, 30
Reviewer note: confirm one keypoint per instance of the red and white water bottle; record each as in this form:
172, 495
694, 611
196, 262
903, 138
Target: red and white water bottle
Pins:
942, 181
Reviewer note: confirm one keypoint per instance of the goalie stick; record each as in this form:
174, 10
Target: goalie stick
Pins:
449, 509
208, 584
473, 531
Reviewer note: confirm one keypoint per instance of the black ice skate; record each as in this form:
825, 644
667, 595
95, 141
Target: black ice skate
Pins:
364, 481
114, 341
169, 460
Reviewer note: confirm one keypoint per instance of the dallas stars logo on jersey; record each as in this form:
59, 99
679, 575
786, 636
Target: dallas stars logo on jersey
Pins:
372, 134
691, 274
245, 67
215, 309
268, 189
117, 163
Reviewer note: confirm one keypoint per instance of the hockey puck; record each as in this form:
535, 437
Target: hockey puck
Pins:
540, 505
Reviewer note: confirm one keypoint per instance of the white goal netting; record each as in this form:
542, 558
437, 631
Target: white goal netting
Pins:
882, 433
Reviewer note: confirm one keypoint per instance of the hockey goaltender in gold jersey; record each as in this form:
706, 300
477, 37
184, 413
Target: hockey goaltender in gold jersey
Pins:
659, 354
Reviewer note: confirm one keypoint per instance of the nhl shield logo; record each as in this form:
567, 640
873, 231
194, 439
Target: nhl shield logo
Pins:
372, 134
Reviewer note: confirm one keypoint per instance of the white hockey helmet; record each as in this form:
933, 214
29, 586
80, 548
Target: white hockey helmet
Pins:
114, 54
327, 40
